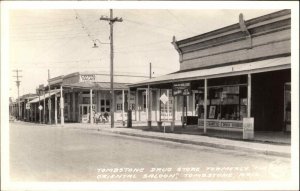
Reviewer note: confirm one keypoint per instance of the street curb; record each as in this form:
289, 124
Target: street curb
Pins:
201, 143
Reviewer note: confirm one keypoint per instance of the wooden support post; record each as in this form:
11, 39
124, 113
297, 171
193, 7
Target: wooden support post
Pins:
123, 105
205, 105
73, 106
44, 114
159, 106
62, 118
137, 118
91, 107
168, 106
249, 96
173, 115
149, 106
55, 109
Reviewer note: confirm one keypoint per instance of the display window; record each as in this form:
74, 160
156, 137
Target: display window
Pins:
227, 103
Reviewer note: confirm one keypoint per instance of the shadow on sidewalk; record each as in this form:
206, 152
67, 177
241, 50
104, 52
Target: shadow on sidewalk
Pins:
277, 138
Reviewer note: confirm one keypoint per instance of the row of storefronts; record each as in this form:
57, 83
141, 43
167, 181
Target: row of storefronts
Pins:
242, 71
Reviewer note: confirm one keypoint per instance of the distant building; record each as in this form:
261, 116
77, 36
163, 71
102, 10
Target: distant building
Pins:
83, 93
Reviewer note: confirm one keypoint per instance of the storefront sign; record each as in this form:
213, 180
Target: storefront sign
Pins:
88, 77
27, 105
248, 128
40, 107
85, 119
221, 124
183, 88
164, 98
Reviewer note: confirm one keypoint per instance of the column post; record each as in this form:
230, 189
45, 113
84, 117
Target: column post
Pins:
55, 108
205, 104
62, 119
123, 105
44, 114
40, 111
137, 111
249, 96
168, 106
35, 113
149, 106
91, 106
173, 115
73, 106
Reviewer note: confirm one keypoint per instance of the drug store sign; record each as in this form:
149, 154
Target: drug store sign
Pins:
183, 88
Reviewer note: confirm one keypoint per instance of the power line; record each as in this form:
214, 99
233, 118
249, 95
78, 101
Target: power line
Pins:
82, 25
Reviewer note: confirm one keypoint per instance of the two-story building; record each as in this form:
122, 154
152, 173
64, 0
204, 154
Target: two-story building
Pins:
236, 72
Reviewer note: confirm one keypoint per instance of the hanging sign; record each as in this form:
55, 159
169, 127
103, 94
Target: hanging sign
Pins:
40, 107
164, 98
27, 105
183, 88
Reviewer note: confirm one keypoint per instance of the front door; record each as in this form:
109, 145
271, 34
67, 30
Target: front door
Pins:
84, 112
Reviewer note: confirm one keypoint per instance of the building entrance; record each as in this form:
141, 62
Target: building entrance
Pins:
269, 103
84, 112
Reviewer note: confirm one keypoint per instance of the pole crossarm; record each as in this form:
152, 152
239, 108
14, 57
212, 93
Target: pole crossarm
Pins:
111, 20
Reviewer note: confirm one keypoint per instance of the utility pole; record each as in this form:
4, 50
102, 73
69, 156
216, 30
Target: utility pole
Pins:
18, 85
149, 97
49, 99
150, 70
111, 21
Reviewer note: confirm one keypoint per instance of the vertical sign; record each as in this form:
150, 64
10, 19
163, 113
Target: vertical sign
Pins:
248, 128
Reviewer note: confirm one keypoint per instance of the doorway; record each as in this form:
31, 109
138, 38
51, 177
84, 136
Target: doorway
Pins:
84, 112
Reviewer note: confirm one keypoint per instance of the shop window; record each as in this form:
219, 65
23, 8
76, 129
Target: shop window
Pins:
119, 107
132, 106
199, 104
227, 103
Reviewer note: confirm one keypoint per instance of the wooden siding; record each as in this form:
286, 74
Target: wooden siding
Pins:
267, 50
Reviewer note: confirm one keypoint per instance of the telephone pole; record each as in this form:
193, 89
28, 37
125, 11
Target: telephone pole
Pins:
111, 21
18, 85
150, 75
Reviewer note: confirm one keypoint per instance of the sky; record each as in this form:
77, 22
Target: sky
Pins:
61, 40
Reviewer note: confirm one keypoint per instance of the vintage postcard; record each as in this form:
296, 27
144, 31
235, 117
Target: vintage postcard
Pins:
149, 95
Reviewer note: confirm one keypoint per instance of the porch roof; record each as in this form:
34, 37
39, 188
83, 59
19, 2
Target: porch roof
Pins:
97, 85
230, 70
53, 92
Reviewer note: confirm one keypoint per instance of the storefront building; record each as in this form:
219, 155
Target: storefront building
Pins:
73, 97
24, 112
226, 76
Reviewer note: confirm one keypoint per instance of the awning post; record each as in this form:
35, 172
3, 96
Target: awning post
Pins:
62, 120
149, 106
249, 96
91, 106
55, 109
123, 105
205, 105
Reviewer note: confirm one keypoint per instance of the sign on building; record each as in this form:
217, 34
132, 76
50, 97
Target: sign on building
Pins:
27, 105
183, 88
248, 128
89, 77
164, 98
